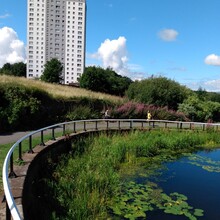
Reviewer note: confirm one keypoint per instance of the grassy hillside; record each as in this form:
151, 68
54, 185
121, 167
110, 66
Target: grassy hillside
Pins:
27, 104
58, 91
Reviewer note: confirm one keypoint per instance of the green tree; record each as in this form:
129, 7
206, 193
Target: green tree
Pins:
19, 69
158, 91
53, 71
16, 69
200, 110
104, 80
6, 69
94, 79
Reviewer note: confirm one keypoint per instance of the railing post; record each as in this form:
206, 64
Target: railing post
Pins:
84, 125
3, 199
107, 126
53, 135
42, 138
203, 127
119, 125
12, 173
142, 125
131, 124
30, 145
8, 213
165, 124
64, 129
74, 127
96, 125
20, 152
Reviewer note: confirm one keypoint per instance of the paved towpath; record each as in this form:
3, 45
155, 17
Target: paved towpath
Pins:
7, 138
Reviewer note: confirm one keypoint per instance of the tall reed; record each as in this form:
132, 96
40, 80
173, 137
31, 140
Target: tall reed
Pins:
85, 182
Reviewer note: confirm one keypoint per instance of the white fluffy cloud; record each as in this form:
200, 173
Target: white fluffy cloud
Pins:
213, 85
212, 59
113, 53
12, 50
168, 34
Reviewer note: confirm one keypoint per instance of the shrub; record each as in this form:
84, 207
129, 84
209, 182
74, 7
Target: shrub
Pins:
139, 110
81, 113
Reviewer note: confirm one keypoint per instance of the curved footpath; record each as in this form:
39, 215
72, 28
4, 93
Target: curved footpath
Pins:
21, 171
8, 138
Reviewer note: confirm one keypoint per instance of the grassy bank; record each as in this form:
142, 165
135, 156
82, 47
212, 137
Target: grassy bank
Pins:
57, 91
85, 183
30, 104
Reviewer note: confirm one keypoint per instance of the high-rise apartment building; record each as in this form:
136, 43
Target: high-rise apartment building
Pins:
56, 29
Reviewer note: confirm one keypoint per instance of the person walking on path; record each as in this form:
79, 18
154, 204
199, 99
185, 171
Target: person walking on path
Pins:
148, 115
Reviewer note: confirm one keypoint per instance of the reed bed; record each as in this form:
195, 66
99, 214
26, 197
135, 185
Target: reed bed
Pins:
85, 182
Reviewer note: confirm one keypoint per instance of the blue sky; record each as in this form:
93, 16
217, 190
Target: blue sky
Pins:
178, 39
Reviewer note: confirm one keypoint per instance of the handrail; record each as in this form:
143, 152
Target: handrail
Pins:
11, 208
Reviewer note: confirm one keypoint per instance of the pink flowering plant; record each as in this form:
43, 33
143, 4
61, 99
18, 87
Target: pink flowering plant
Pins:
139, 110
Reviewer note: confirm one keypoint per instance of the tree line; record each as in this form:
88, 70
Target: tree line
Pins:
159, 91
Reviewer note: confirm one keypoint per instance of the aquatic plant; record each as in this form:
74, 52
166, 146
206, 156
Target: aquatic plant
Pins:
204, 162
86, 181
136, 200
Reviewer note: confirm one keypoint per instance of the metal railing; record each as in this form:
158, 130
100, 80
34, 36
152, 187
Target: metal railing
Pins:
74, 127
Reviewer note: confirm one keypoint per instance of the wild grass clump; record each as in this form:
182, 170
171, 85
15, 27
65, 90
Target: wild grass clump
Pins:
84, 183
58, 91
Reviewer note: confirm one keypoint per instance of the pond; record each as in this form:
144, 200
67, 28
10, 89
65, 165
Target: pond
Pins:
188, 188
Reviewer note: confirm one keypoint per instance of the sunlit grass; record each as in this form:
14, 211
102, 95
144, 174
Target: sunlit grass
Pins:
59, 91
89, 179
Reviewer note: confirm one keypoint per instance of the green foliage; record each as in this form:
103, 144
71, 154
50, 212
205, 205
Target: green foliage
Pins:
82, 113
104, 80
135, 200
17, 69
24, 108
53, 71
17, 106
158, 91
203, 95
139, 110
204, 162
93, 178
88, 182
200, 110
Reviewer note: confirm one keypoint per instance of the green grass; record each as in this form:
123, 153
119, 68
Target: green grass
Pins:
85, 183
58, 91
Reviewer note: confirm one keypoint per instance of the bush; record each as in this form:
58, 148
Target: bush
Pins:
139, 110
18, 105
158, 91
81, 113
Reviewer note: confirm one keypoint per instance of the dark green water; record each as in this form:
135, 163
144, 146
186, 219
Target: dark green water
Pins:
198, 178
